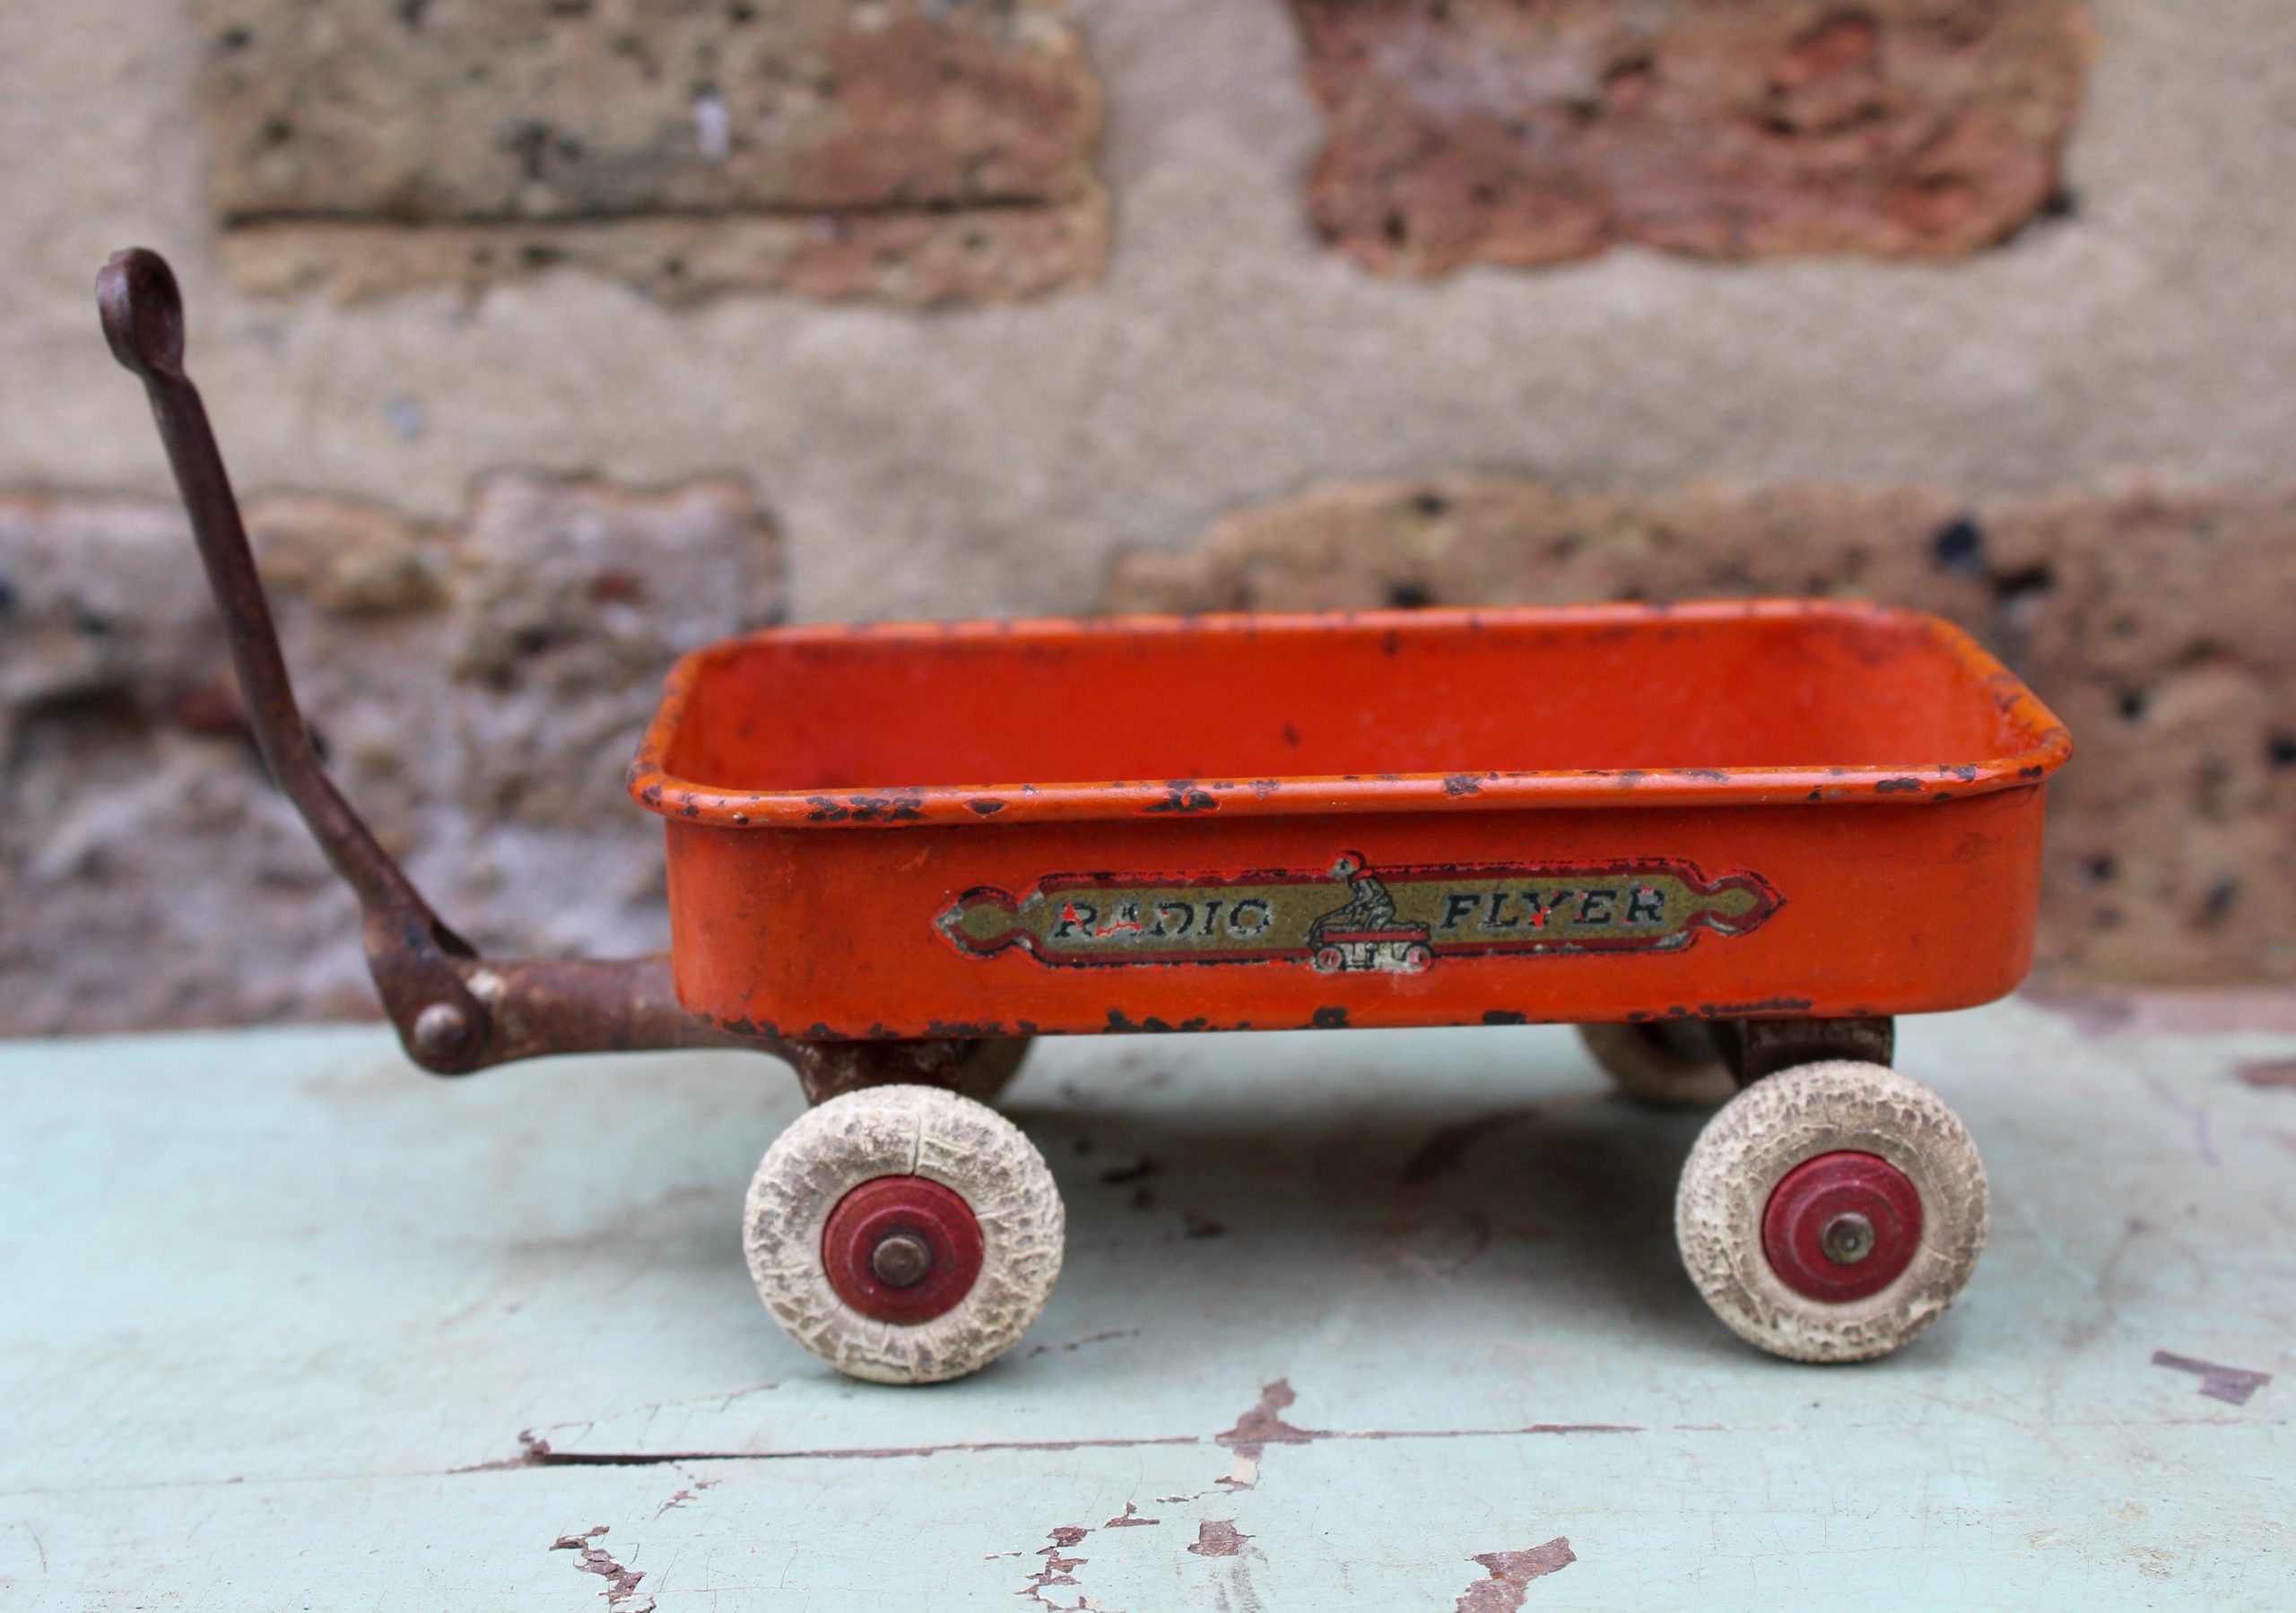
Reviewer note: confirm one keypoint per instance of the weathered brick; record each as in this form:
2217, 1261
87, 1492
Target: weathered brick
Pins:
478, 691
920, 151
1536, 131
2156, 625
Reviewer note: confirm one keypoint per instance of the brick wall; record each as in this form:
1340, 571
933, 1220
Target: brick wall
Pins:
913, 153
550, 337
1531, 134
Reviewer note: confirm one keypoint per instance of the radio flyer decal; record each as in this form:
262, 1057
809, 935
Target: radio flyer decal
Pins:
1349, 918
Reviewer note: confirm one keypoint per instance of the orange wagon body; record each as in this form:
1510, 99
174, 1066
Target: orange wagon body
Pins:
1769, 810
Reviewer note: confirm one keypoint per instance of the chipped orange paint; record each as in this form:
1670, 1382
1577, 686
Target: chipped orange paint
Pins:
833, 795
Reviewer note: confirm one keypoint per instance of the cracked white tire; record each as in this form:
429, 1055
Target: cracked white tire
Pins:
1831, 1212
987, 1067
1672, 1062
904, 1235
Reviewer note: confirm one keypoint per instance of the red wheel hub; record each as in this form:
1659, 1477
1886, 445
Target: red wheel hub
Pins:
1841, 1226
902, 1249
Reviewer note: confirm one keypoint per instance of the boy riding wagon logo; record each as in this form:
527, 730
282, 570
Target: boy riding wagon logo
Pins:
1349, 918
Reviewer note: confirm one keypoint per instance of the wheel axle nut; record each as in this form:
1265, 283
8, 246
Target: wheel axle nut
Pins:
1848, 1239
901, 1259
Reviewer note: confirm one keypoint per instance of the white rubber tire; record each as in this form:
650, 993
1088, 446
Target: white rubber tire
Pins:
987, 1066
902, 1130
1672, 1063
1774, 1125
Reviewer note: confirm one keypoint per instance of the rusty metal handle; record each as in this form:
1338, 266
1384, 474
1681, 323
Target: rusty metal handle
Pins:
454, 1012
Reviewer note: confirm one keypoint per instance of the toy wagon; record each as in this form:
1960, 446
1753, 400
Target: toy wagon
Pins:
1728, 840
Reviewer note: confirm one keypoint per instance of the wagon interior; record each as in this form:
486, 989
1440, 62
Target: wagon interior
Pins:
1422, 692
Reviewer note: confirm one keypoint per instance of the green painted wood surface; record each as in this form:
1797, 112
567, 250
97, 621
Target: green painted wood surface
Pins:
285, 1324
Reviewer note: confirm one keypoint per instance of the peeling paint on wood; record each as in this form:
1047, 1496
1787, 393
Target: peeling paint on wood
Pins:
1218, 1538
620, 1582
2234, 1385
1510, 1573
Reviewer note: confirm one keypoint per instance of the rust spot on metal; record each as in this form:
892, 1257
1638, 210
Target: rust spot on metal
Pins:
1505, 1016
983, 808
886, 808
1768, 1005
1710, 775
1131, 1518
1460, 784
1897, 786
825, 810
1330, 1018
962, 1030
1753, 1048
1185, 798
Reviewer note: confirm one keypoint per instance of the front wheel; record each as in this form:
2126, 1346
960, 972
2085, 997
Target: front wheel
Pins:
1831, 1212
904, 1235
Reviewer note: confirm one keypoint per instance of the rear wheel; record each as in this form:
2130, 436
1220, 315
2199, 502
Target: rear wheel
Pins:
1672, 1062
1831, 1212
904, 1235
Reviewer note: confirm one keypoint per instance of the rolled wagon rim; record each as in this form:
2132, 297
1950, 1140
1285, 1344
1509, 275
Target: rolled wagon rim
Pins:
989, 804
